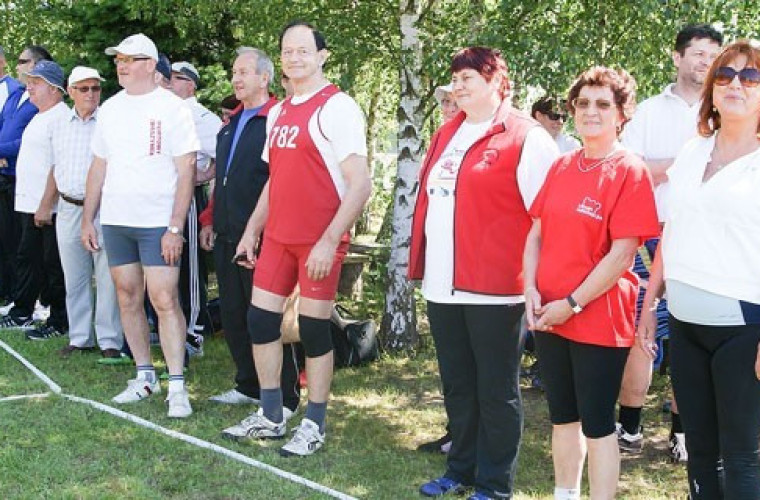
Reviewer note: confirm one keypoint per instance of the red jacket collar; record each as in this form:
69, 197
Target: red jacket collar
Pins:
448, 129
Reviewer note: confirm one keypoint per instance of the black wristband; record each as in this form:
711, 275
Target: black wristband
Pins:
573, 304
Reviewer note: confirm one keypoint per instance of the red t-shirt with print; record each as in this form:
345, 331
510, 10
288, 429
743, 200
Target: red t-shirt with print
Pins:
581, 213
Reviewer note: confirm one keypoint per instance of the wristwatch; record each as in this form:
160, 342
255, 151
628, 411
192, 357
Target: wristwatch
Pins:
574, 305
174, 230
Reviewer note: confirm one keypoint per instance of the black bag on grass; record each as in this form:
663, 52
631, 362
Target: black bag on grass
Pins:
354, 341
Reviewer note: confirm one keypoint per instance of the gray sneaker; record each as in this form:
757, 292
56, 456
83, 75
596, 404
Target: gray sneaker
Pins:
305, 441
257, 426
233, 397
629, 443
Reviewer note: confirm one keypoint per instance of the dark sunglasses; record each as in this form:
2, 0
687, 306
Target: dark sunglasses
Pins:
556, 116
24, 61
748, 77
585, 103
85, 88
183, 78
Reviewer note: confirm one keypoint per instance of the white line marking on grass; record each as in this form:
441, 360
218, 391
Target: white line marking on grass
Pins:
52, 385
25, 396
171, 433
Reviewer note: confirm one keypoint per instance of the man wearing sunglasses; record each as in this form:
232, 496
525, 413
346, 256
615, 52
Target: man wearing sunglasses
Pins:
193, 275
549, 112
70, 139
660, 126
142, 178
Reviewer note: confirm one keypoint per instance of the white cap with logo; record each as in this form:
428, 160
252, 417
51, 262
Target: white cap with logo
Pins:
135, 45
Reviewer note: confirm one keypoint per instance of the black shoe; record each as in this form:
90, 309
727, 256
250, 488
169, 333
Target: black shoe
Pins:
44, 332
435, 446
9, 321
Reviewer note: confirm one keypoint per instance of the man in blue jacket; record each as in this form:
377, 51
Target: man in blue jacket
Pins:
16, 114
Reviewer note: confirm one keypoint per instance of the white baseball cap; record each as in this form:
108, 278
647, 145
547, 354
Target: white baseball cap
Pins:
135, 45
188, 70
440, 92
80, 73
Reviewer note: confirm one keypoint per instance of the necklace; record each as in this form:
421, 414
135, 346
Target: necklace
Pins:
589, 168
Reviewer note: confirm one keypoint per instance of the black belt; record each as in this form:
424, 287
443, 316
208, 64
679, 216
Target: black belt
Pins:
73, 201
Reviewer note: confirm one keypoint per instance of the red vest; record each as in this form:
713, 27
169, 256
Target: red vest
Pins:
490, 219
303, 198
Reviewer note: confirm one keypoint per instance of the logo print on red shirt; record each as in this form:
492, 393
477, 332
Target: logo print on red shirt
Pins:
590, 207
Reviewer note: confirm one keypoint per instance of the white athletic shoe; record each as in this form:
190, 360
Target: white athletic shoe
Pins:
257, 426
137, 390
678, 453
179, 404
234, 397
306, 440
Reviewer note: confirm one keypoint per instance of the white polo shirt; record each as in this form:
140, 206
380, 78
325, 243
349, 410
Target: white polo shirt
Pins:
139, 136
660, 127
35, 158
207, 125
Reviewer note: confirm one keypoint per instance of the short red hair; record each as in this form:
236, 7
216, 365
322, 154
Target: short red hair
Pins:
486, 61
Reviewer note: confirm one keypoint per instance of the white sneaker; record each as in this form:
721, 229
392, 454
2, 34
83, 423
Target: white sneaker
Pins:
678, 453
179, 404
257, 426
306, 440
234, 397
137, 390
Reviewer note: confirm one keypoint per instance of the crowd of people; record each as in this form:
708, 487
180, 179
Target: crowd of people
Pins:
517, 225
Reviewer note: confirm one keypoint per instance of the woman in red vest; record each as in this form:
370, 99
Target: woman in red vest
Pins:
481, 171
592, 213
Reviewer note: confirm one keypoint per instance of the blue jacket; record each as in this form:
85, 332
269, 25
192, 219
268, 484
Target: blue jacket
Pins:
13, 121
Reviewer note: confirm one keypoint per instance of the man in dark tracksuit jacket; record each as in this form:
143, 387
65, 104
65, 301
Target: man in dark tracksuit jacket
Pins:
240, 177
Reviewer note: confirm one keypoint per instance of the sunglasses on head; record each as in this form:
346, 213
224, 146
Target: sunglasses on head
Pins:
555, 116
748, 77
585, 103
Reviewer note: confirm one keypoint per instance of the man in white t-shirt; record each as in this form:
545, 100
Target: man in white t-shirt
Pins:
38, 266
661, 125
319, 181
547, 111
142, 178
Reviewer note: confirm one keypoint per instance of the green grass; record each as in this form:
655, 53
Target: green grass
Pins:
55, 448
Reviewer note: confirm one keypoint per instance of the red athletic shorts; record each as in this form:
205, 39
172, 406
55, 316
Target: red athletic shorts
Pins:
280, 266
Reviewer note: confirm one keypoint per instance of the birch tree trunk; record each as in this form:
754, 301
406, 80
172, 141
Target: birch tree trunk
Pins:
399, 323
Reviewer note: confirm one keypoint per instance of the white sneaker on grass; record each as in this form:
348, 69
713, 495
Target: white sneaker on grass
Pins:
137, 390
179, 404
305, 441
257, 426
233, 397
678, 453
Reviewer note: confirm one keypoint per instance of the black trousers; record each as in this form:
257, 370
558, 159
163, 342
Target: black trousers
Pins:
193, 274
39, 273
718, 393
478, 351
9, 237
235, 285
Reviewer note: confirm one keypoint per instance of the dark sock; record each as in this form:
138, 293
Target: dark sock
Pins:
630, 419
271, 404
675, 424
316, 412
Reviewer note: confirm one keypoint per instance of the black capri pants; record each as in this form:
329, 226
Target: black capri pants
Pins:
582, 382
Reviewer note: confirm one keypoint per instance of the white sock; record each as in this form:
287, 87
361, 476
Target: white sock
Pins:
176, 383
146, 372
567, 494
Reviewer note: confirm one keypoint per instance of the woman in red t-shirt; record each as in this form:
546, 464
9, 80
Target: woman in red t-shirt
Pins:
592, 213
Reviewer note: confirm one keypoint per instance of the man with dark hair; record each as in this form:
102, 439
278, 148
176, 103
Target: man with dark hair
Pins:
17, 111
658, 129
319, 182
550, 113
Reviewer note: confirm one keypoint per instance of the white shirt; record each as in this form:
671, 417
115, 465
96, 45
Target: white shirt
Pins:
659, 128
72, 155
538, 154
139, 136
333, 128
567, 143
207, 125
712, 229
35, 158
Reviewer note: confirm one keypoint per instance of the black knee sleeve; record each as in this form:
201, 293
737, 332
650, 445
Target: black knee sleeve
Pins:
263, 326
315, 336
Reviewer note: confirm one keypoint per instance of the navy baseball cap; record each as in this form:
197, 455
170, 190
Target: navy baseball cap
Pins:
49, 71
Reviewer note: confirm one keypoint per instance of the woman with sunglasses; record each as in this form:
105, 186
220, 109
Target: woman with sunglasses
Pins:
592, 213
709, 257
468, 233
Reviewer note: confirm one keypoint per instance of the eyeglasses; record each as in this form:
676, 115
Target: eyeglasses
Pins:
88, 88
24, 61
748, 77
128, 59
585, 103
556, 116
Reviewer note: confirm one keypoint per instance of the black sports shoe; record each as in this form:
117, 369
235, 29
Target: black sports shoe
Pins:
9, 321
44, 332
437, 445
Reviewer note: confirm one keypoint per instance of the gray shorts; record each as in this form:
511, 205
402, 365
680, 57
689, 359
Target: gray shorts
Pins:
126, 245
